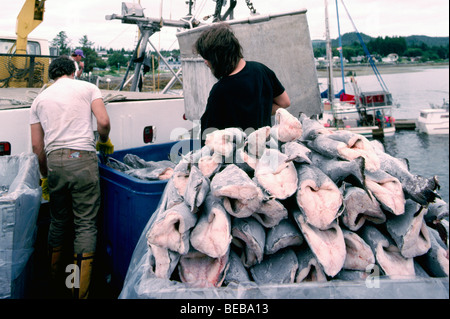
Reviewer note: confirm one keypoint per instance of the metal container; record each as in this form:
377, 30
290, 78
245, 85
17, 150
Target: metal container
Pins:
280, 41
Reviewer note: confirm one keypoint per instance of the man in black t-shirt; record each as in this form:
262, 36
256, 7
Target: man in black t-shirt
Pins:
247, 93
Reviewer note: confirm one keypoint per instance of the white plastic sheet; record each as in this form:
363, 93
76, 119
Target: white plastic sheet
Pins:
141, 283
19, 209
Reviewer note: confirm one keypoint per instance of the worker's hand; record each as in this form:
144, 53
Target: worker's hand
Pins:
81, 65
44, 186
106, 147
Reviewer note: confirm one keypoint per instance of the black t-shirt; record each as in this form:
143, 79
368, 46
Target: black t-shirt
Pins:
242, 100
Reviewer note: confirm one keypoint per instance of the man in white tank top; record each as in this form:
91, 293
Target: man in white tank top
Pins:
63, 139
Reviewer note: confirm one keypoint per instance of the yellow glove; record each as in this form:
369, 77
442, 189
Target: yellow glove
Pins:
105, 148
44, 185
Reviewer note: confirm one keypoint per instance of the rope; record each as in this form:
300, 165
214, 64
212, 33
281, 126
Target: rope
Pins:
110, 97
372, 63
23, 74
15, 101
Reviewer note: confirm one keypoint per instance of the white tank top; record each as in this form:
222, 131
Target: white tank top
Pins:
64, 111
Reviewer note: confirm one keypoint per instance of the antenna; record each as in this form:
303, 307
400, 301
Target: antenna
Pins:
191, 4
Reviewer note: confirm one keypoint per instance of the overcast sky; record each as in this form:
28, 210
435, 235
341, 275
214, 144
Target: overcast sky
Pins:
87, 17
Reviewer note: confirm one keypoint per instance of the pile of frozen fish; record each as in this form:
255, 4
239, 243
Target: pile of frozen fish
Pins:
3, 189
292, 203
137, 167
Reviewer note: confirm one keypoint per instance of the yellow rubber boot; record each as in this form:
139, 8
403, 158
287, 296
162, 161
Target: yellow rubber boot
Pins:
84, 264
55, 254
56, 280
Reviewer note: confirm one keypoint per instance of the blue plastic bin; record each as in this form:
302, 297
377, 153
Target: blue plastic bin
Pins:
128, 203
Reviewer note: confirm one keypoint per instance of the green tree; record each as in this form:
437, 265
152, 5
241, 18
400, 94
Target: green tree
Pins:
319, 52
423, 46
85, 43
349, 52
429, 56
90, 58
61, 42
387, 45
441, 51
396, 45
117, 59
101, 64
154, 63
413, 52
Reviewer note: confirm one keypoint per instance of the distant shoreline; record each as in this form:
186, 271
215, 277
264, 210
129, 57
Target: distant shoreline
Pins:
360, 69
365, 69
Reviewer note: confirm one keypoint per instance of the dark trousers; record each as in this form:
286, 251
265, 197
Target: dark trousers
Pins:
74, 187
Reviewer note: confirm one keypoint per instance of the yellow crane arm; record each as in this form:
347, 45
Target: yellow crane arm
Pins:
31, 15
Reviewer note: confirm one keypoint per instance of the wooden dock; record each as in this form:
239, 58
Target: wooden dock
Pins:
405, 124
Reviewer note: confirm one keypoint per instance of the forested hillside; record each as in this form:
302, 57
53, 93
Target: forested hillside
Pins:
425, 47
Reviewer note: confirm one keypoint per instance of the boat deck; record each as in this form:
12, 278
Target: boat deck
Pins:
405, 124
13, 98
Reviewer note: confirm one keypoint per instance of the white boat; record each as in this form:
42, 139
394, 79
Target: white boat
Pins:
365, 113
434, 120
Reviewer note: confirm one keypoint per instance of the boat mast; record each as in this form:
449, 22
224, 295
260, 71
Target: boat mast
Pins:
190, 3
366, 51
340, 49
329, 57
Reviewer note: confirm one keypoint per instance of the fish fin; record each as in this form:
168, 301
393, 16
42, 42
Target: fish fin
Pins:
290, 159
341, 210
434, 180
360, 179
405, 161
440, 229
428, 194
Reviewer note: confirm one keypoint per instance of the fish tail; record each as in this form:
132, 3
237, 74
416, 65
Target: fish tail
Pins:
425, 197
430, 195
435, 182
359, 178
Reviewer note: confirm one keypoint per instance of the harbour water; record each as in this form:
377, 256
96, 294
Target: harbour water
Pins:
415, 89
427, 155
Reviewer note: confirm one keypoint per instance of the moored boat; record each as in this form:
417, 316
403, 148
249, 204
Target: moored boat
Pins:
434, 120
368, 114
365, 113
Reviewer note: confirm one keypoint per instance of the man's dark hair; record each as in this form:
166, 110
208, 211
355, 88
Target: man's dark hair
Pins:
220, 47
60, 66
